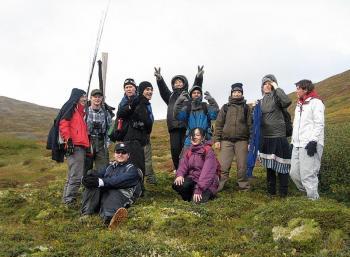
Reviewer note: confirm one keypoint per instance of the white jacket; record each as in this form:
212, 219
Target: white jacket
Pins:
308, 124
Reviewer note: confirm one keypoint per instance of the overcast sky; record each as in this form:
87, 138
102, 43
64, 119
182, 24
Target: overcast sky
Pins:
47, 46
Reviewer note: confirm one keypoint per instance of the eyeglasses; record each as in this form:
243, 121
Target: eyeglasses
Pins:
121, 152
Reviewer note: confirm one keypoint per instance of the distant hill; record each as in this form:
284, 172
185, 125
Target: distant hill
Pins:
25, 119
335, 92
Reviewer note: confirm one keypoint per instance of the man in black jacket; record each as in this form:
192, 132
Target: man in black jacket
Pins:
177, 129
112, 189
141, 119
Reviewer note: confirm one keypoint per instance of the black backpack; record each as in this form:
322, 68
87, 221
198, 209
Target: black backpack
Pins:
287, 118
288, 121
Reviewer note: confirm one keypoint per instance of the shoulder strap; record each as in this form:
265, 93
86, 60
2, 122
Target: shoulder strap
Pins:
245, 107
188, 107
225, 108
205, 108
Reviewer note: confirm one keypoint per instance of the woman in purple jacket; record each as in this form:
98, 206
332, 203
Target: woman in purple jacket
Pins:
196, 177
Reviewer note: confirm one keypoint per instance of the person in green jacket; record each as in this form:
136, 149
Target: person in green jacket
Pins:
232, 136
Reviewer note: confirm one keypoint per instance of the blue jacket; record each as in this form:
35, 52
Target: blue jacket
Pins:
196, 117
120, 175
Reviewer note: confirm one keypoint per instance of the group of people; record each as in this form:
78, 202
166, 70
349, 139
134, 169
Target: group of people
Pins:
82, 129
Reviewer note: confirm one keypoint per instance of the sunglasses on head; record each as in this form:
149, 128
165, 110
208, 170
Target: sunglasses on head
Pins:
121, 152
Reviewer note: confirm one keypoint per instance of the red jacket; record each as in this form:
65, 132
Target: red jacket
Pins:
75, 128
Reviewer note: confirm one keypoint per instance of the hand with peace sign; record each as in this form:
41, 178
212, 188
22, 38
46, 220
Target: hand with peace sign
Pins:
157, 73
200, 71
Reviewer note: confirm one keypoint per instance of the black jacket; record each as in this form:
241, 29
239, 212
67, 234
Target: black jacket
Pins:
140, 121
170, 98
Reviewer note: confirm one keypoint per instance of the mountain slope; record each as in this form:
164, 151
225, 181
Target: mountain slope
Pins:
335, 92
19, 117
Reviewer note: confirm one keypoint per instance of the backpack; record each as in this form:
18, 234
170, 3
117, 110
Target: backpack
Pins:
118, 131
288, 121
287, 118
245, 107
206, 149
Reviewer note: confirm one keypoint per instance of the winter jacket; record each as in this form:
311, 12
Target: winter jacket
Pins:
140, 121
234, 124
200, 166
123, 176
54, 142
75, 128
308, 124
273, 124
196, 117
170, 98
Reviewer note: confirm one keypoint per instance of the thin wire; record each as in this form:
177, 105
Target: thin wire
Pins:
97, 44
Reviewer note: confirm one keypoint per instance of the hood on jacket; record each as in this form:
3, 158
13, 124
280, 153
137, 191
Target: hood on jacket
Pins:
268, 77
181, 77
67, 109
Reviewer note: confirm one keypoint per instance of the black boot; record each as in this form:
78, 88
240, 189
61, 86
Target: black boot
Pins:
283, 181
271, 181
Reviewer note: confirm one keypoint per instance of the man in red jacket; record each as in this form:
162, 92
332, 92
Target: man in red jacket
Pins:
73, 131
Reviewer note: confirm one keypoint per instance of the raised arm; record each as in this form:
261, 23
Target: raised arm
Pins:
164, 91
198, 80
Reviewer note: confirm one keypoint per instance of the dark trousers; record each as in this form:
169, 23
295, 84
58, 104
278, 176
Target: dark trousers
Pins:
104, 202
271, 183
137, 157
187, 188
177, 139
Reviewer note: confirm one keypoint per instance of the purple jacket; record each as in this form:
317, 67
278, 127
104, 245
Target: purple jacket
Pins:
200, 166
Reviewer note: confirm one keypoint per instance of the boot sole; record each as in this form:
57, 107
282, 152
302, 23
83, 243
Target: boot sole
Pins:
120, 215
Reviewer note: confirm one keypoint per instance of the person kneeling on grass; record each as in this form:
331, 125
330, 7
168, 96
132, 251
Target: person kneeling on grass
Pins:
112, 189
196, 177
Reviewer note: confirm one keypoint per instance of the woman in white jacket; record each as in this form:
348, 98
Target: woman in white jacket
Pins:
307, 139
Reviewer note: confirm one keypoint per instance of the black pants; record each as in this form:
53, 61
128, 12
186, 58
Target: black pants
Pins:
271, 183
105, 202
187, 188
177, 139
137, 157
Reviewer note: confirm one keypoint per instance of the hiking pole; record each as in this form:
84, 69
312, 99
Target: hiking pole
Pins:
97, 44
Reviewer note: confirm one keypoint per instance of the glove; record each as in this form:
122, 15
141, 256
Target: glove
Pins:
157, 73
200, 71
274, 85
90, 181
183, 96
207, 96
69, 147
311, 148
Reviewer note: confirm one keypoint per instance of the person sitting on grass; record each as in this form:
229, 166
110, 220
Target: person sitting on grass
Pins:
196, 177
112, 189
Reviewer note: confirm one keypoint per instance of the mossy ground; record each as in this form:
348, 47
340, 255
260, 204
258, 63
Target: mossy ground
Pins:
33, 222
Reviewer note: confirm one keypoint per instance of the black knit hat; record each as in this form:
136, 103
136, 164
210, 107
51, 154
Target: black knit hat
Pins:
143, 85
237, 87
130, 81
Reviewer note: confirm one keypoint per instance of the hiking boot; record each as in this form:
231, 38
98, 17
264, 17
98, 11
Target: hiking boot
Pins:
151, 179
222, 181
120, 215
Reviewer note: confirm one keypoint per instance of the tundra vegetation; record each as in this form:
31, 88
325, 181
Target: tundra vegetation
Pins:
33, 222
